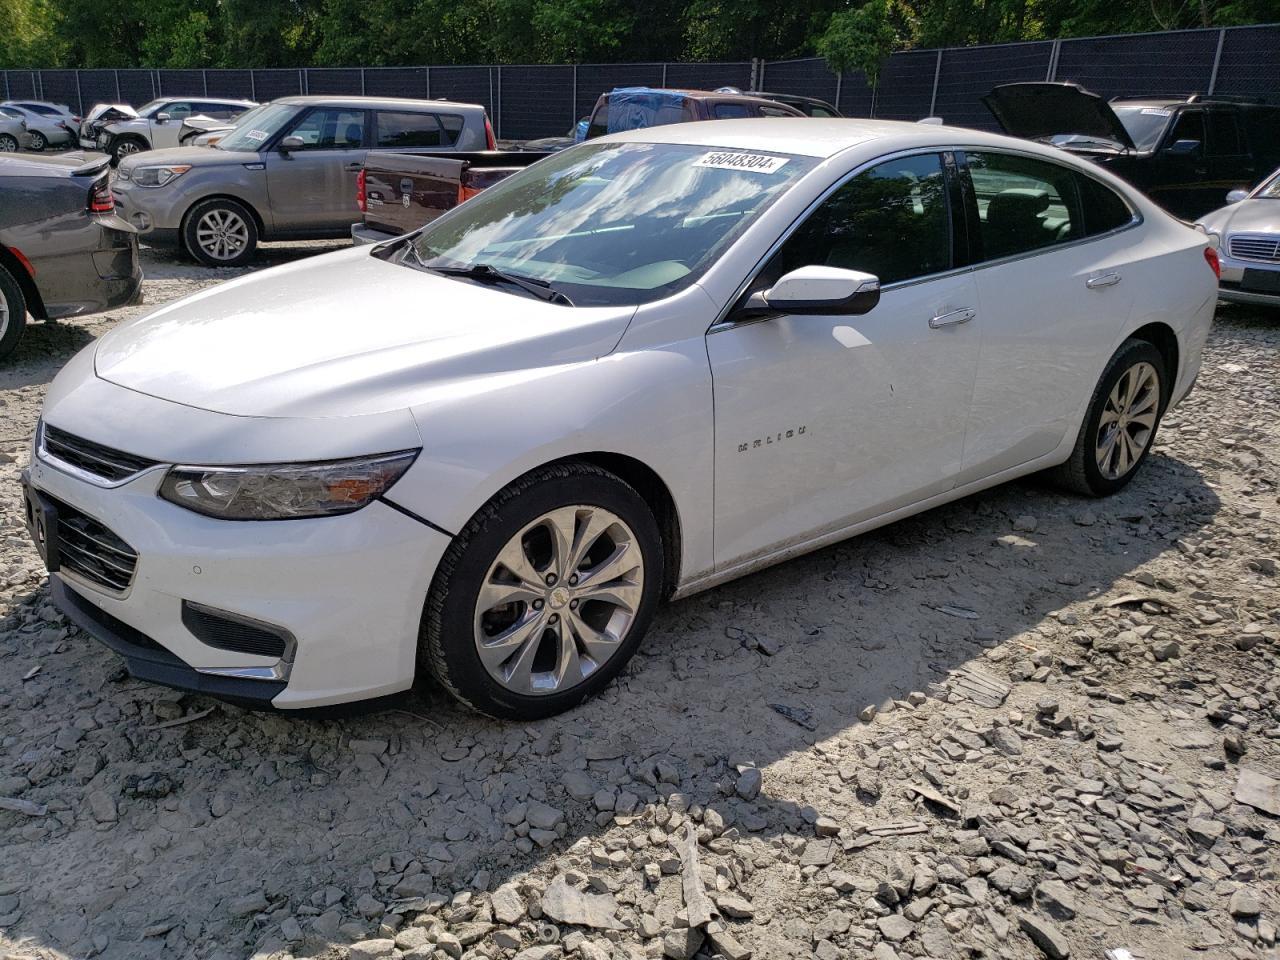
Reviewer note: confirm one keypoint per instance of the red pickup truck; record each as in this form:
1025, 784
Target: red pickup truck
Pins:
399, 192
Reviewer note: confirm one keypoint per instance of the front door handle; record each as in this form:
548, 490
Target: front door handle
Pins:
1103, 280
952, 317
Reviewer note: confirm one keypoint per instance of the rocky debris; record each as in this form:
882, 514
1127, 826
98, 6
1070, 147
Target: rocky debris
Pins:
1069, 747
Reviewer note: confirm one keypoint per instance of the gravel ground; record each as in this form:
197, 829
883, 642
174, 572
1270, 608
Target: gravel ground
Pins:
1022, 725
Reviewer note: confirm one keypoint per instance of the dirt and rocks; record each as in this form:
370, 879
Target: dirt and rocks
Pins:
1024, 725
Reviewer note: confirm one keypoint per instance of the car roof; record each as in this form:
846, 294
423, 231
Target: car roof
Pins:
694, 94
198, 96
354, 101
814, 136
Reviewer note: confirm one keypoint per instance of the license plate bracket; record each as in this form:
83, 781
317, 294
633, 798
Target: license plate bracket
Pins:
41, 515
1260, 281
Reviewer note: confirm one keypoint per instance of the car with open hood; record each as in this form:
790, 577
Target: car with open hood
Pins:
160, 123
1184, 152
653, 362
1246, 234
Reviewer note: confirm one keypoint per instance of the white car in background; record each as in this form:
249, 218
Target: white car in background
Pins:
42, 130
1246, 234
643, 366
158, 125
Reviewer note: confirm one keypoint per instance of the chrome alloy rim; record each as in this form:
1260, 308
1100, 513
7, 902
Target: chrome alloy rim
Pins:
559, 600
1128, 420
222, 234
127, 147
8, 144
4, 316
38, 141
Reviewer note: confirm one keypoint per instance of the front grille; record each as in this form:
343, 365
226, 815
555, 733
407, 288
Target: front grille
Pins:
91, 551
228, 632
93, 458
1265, 248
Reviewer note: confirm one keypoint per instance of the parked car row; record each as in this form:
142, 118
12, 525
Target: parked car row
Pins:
35, 126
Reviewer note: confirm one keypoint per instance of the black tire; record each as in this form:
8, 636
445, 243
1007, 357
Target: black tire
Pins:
447, 646
13, 319
1081, 472
224, 207
8, 143
38, 141
127, 146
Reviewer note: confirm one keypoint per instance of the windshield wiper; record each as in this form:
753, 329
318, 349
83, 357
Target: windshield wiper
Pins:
488, 273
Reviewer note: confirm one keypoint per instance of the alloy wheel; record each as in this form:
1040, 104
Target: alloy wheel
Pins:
8, 144
559, 600
1128, 420
38, 141
4, 316
127, 147
222, 234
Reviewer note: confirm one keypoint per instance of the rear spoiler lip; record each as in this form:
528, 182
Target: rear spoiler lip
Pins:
91, 166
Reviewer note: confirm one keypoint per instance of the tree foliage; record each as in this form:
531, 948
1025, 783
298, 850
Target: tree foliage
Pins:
852, 34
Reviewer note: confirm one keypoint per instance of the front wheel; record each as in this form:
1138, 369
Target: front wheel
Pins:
13, 313
127, 146
1120, 425
220, 233
8, 143
544, 596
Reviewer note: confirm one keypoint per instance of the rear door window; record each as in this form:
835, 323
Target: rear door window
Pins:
403, 128
774, 112
1224, 134
731, 111
1024, 204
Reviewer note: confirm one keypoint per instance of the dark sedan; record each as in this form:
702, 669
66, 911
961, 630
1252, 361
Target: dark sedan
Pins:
63, 251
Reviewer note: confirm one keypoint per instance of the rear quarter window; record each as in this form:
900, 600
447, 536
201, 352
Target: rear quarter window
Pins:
1103, 209
403, 128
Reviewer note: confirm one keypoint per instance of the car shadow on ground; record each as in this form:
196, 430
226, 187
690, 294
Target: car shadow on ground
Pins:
285, 804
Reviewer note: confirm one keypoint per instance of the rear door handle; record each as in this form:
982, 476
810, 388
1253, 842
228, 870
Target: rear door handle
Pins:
1103, 280
952, 317
354, 166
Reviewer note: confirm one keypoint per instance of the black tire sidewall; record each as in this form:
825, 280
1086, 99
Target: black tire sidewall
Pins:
451, 625
189, 232
1131, 353
17, 304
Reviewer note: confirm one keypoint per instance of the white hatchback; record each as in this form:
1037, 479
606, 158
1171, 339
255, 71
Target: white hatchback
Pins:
644, 366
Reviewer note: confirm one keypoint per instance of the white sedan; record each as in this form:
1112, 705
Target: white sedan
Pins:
644, 366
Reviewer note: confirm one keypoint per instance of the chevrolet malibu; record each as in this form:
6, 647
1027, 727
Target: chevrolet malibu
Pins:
486, 451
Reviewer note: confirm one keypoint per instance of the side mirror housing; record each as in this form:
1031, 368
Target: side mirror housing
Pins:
162, 118
1183, 148
1235, 196
818, 291
291, 143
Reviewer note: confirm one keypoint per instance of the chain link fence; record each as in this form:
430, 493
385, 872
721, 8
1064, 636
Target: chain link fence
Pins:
546, 100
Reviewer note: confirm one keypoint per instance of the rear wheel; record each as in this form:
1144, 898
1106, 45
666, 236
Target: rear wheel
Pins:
8, 143
220, 233
1121, 423
13, 313
543, 598
38, 141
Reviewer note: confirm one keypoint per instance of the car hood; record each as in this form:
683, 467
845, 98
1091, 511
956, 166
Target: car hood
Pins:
345, 334
1247, 216
101, 109
1038, 110
192, 156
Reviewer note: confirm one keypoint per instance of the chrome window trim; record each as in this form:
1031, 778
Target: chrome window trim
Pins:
721, 323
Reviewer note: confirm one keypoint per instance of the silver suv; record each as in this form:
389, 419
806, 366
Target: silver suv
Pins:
286, 172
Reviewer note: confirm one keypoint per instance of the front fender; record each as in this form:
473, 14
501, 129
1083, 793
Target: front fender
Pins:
654, 406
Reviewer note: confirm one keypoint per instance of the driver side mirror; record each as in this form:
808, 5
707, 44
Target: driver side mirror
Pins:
162, 118
1183, 148
1235, 196
817, 291
291, 143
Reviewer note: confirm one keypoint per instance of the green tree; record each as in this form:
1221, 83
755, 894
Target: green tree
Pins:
860, 38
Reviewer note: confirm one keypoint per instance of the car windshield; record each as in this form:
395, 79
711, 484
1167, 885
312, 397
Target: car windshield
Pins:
615, 223
1270, 190
1146, 125
154, 106
257, 126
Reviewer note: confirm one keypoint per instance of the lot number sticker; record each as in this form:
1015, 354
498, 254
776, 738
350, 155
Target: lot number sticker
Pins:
748, 162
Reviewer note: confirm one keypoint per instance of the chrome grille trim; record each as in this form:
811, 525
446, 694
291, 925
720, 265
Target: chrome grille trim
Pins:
1262, 247
95, 463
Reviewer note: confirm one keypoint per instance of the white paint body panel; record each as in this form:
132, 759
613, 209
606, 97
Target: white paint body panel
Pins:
344, 355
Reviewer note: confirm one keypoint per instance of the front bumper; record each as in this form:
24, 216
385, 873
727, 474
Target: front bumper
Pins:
348, 589
155, 212
1233, 269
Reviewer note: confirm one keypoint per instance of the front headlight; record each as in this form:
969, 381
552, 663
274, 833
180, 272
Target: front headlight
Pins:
285, 491
158, 176
1215, 238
